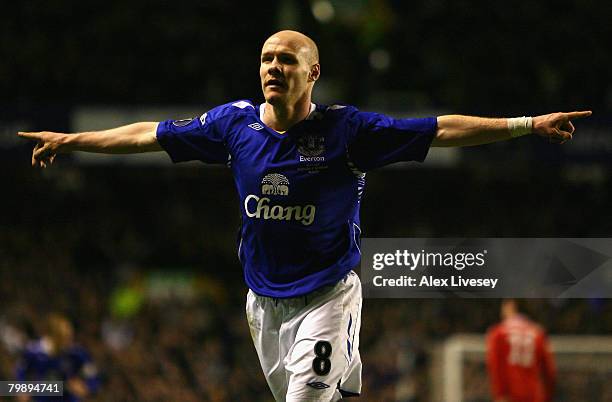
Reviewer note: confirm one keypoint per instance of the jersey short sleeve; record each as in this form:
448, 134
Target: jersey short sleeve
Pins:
380, 140
200, 138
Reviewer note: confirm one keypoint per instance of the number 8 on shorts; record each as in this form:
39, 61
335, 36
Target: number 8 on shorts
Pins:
321, 363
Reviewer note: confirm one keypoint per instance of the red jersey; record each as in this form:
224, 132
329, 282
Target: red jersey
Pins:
521, 367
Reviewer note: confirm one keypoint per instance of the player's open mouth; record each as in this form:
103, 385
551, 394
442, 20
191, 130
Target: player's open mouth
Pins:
275, 83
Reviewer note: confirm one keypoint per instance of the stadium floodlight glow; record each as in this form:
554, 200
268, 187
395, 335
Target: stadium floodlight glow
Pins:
380, 59
323, 11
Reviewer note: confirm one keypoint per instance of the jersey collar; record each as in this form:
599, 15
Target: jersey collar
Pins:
262, 111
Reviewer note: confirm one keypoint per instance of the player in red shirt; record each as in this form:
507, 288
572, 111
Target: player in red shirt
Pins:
521, 367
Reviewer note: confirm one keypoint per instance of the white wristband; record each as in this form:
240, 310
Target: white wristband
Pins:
519, 126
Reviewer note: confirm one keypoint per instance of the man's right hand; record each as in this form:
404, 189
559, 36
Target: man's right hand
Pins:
48, 145
130, 139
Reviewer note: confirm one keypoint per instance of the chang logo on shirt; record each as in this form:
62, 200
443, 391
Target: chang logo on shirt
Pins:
261, 207
275, 184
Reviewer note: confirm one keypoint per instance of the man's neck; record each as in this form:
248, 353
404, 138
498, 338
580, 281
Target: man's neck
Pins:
282, 117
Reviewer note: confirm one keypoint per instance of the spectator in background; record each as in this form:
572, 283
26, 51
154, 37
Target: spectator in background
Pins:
519, 361
56, 357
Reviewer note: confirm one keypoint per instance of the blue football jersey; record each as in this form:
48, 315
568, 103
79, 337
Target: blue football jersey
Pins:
299, 191
37, 364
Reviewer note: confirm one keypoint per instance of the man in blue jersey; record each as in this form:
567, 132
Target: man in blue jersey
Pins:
56, 357
299, 169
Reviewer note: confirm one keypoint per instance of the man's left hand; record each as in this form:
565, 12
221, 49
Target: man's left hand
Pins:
557, 127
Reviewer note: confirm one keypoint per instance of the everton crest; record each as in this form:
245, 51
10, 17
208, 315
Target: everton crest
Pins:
310, 145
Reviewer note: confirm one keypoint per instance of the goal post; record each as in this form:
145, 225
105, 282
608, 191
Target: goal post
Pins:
584, 368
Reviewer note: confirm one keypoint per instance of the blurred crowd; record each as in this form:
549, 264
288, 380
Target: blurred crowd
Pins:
142, 262
441, 54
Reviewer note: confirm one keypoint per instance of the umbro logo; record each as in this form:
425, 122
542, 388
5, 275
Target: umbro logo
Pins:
256, 126
318, 385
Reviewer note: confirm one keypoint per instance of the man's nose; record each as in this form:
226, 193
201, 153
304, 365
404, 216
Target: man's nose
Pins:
275, 67
275, 70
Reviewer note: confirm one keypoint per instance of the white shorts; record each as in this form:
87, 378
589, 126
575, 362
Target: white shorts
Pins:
308, 346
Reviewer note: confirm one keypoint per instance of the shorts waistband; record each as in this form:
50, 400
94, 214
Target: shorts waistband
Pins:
308, 296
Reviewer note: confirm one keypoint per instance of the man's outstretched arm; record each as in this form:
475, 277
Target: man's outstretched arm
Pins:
461, 131
133, 138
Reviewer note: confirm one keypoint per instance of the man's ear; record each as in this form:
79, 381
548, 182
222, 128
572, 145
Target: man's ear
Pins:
315, 72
